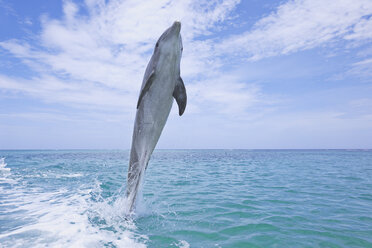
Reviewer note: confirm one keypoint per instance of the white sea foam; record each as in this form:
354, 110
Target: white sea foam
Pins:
55, 175
66, 219
72, 175
117, 207
183, 244
3, 165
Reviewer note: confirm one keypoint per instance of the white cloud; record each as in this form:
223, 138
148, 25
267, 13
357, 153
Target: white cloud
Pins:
361, 30
228, 93
303, 24
73, 93
362, 69
99, 59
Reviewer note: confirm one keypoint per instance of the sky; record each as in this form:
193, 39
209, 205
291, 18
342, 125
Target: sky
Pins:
259, 74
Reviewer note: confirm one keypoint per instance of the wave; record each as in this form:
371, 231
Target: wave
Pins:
65, 219
3, 165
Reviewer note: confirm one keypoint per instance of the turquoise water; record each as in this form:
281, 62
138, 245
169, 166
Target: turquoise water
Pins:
191, 198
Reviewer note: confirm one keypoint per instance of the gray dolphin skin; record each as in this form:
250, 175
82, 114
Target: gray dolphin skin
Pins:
161, 83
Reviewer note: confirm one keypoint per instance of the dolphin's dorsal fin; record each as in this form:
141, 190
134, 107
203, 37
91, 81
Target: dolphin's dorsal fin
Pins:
179, 94
146, 87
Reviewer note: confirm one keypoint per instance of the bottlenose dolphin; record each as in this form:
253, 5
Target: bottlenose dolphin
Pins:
161, 83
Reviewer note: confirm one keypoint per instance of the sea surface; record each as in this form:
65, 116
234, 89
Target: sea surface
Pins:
191, 198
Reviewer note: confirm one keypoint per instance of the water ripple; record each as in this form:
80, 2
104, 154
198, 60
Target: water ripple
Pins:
191, 198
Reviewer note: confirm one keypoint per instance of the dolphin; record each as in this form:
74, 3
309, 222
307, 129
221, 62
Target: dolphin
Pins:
161, 83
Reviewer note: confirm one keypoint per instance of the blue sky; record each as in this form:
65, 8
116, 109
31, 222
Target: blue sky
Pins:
259, 74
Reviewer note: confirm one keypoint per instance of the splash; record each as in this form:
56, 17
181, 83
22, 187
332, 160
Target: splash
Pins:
3, 165
120, 206
82, 218
182, 244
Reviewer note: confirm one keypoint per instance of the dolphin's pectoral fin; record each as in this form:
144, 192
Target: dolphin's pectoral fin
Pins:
146, 87
179, 94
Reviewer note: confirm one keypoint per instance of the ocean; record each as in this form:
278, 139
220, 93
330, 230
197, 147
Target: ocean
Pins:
190, 198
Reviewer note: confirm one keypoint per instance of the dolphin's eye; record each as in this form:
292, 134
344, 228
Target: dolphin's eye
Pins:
157, 44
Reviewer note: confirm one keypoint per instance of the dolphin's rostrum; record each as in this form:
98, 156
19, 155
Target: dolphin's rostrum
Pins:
161, 82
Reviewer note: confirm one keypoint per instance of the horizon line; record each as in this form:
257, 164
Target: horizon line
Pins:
128, 149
